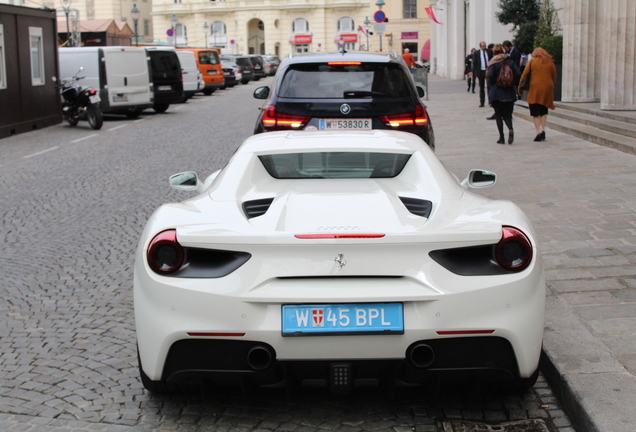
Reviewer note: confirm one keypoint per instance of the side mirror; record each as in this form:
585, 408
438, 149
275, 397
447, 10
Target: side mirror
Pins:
420, 92
186, 181
479, 179
261, 92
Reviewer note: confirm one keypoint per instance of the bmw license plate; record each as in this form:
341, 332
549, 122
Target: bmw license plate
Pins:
164, 88
339, 124
334, 319
94, 99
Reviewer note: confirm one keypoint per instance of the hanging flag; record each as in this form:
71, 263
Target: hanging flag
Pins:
363, 30
431, 14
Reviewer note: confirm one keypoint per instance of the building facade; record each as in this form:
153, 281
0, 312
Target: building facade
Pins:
83, 10
281, 27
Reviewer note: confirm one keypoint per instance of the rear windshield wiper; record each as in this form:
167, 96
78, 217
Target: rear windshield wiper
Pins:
361, 94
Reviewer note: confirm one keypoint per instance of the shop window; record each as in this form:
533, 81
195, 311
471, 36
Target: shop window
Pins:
37, 56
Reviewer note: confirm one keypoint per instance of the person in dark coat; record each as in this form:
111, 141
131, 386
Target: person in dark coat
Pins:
468, 70
513, 53
480, 63
502, 99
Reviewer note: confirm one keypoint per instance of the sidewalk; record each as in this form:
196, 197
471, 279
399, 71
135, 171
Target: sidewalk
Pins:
581, 198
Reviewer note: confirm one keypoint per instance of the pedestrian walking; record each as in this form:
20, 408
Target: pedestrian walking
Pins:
502, 74
468, 70
541, 73
480, 63
409, 59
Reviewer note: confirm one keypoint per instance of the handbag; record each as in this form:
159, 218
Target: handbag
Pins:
525, 85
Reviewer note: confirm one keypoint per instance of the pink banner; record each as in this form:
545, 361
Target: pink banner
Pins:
431, 14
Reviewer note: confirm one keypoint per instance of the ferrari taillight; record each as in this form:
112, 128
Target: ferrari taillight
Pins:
415, 118
165, 254
273, 120
514, 250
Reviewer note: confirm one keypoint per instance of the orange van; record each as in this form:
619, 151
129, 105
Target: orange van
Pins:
209, 64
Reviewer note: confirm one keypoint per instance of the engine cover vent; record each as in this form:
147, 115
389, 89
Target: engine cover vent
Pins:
257, 207
418, 207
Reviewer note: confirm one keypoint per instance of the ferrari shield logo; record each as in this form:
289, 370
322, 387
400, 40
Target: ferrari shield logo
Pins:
318, 318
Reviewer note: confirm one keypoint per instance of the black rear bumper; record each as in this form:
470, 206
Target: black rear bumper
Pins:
230, 362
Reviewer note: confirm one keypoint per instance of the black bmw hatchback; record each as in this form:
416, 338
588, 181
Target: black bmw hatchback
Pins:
344, 91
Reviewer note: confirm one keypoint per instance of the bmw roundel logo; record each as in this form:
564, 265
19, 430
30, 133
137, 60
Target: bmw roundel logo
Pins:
345, 108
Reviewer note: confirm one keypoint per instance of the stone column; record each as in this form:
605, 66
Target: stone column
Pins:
582, 51
618, 86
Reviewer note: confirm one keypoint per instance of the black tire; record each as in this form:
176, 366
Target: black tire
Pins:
94, 117
133, 114
160, 107
244, 81
208, 92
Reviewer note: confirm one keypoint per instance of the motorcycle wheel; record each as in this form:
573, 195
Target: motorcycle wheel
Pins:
94, 117
72, 120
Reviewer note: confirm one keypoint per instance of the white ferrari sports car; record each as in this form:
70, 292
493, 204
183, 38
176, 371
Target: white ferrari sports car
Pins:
337, 259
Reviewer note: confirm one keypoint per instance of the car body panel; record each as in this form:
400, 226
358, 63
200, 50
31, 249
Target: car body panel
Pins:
245, 306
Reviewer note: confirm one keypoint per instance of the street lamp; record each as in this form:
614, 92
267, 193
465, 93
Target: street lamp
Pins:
134, 13
66, 5
174, 21
367, 23
205, 32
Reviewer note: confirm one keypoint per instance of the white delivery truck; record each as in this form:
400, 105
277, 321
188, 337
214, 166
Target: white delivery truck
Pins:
120, 74
190, 72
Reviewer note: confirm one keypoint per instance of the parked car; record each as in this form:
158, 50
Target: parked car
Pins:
166, 77
245, 65
344, 91
209, 63
121, 75
231, 72
271, 64
340, 258
191, 73
259, 66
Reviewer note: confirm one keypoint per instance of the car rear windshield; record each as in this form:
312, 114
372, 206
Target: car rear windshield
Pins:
334, 165
208, 57
164, 62
334, 80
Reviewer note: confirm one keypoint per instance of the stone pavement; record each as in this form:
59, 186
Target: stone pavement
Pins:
581, 198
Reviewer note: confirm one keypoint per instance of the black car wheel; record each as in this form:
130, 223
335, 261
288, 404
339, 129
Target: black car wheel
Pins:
160, 107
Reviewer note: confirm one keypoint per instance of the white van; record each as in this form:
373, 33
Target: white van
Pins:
190, 73
120, 74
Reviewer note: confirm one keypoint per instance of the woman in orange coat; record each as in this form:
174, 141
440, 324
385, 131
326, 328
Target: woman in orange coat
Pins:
541, 92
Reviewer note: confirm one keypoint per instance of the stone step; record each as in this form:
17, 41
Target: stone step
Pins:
594, 108
601, 122
593, 134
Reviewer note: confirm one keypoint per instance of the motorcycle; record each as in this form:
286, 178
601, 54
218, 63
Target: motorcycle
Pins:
80, 103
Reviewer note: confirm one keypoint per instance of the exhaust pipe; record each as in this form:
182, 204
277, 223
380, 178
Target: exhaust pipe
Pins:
260, 357
421, 355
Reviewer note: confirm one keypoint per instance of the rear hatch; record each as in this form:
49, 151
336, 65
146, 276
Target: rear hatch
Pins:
127, 77
166, 76
369, 90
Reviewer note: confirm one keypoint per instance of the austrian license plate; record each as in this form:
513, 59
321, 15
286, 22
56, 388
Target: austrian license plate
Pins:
94, 99
120, 98
164, 88
338, 124
334, 319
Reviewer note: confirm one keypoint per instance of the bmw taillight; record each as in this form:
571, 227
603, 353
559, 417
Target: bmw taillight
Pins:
415, 118
514, 250
273, 120
165, 254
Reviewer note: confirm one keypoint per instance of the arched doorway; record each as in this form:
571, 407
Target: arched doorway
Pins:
255, 37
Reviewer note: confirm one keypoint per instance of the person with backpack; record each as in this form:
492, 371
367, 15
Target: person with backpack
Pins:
502, 75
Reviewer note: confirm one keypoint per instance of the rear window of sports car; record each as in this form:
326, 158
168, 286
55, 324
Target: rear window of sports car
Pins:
364, 80
334, 165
